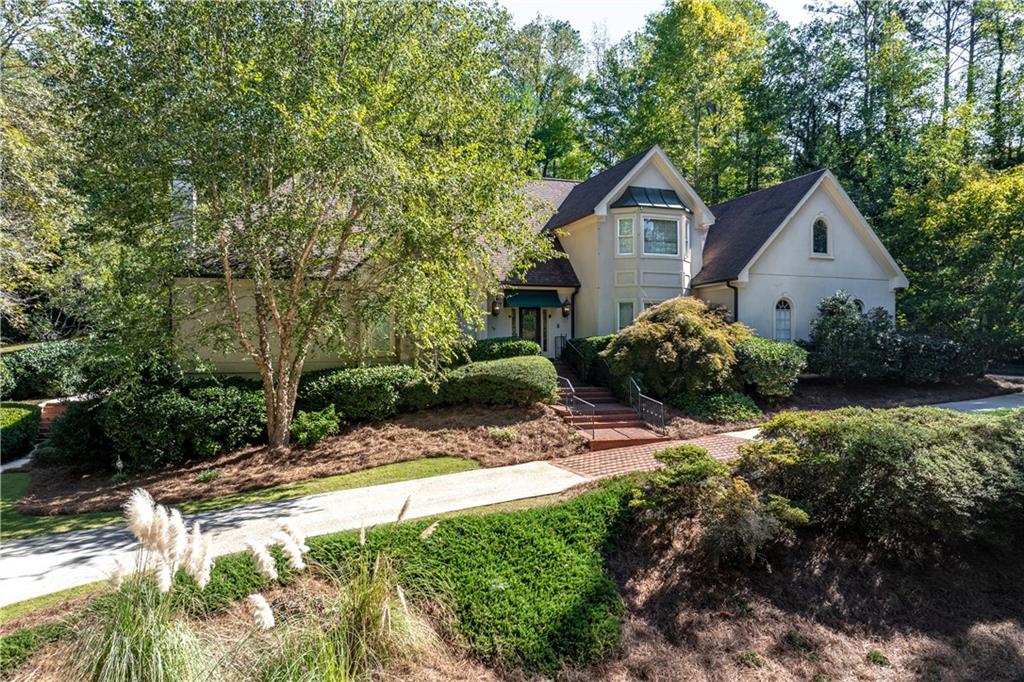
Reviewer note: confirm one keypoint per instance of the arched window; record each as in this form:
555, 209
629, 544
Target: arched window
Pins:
820, 238
860, 305
783, 321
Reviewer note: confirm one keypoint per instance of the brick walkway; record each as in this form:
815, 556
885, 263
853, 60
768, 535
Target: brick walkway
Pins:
619, 461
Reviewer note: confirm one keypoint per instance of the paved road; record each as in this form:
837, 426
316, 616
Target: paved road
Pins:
996, 402
45, 564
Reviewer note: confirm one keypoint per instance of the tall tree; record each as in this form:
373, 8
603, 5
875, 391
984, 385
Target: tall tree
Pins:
321, 165
544, 62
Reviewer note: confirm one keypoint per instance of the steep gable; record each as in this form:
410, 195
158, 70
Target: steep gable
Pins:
585, 196
744, 224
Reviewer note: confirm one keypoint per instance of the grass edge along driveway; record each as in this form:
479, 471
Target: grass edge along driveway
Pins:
17, 526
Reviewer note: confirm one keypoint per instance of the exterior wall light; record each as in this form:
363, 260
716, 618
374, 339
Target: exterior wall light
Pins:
566, 308
495, 307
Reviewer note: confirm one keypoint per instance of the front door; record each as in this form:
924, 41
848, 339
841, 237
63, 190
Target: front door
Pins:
529, 324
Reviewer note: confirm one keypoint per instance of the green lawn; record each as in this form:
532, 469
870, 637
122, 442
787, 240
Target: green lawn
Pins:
17, 526
12, 611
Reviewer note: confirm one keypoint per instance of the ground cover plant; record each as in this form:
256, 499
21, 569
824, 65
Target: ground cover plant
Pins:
19, 426
909, 479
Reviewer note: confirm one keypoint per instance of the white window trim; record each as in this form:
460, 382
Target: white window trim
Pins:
828, 239
792, 310
679, 236
618, 318
619, 219
650, 303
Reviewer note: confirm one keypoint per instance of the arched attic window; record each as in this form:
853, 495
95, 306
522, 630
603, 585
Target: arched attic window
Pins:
783, 320
820, 238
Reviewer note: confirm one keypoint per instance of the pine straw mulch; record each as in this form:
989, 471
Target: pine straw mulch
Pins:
814, 613
455, 432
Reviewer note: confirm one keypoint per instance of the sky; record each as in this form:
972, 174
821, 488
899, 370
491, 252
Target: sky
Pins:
618, 17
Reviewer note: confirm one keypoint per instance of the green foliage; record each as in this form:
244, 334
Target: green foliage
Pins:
679, 346
309, 428
18, 646
512, 381
503, 435
498, 348
735, 522
19, 426
769, 368
360, 392
589, 347
907, 478
527, 589
876, 657
46, 370
134, 633
78, 438
718, 407
350, 634
849, 346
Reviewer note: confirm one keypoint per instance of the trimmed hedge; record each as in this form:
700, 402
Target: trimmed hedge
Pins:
359, 392
19, 426
769, 368
906, 478
511, 381
309, 428
48, 370
506, 347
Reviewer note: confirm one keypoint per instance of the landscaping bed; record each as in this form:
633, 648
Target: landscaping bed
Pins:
492, 436
818, 393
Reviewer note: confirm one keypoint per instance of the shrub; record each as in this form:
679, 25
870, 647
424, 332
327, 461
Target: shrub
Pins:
512, 381
508, 347
735, 523
19, 426
769, 368
590, 347
309, 428
503, 435
848, 346
679, 346
359, 392
928, 359
168, 426
47, 370
78, 438
907, 478
720, 407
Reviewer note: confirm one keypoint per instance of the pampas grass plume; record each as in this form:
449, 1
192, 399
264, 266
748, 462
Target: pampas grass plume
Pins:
264, 562
261, 611
291, 550
297, 535
138, 511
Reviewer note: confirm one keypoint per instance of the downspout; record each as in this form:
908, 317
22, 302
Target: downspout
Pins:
572, 313
735, 301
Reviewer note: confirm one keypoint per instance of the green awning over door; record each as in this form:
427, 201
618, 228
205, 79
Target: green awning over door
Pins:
532, 299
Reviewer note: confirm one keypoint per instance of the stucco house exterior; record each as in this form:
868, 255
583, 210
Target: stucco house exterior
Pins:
637, 234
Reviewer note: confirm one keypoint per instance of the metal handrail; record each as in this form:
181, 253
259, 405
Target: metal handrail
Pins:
577, 405
574, 358
650, 410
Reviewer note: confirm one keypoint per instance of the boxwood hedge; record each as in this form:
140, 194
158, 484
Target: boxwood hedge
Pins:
510, 381
47, 370
19, 426
506, 347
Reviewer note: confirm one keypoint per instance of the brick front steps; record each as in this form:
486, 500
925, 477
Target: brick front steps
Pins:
612, 425
52, 410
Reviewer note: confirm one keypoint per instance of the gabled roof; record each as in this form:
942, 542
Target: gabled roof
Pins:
556, 271
744, 224
585, 196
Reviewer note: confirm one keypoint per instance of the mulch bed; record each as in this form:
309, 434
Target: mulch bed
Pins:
455, 432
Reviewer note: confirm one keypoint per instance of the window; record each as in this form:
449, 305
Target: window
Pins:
380, 337
783, 321
661, 237
625, 314
624, 241
651, 304
860, 305
819, 238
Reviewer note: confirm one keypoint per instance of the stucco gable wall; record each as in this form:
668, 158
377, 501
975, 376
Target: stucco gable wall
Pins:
786, 269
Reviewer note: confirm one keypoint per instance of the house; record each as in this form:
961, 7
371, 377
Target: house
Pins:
637, 234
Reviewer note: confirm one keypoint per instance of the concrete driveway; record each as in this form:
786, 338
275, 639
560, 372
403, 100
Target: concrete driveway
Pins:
995, 402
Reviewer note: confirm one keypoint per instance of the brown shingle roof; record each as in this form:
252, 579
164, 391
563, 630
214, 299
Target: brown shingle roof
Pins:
744, 224
586, 195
